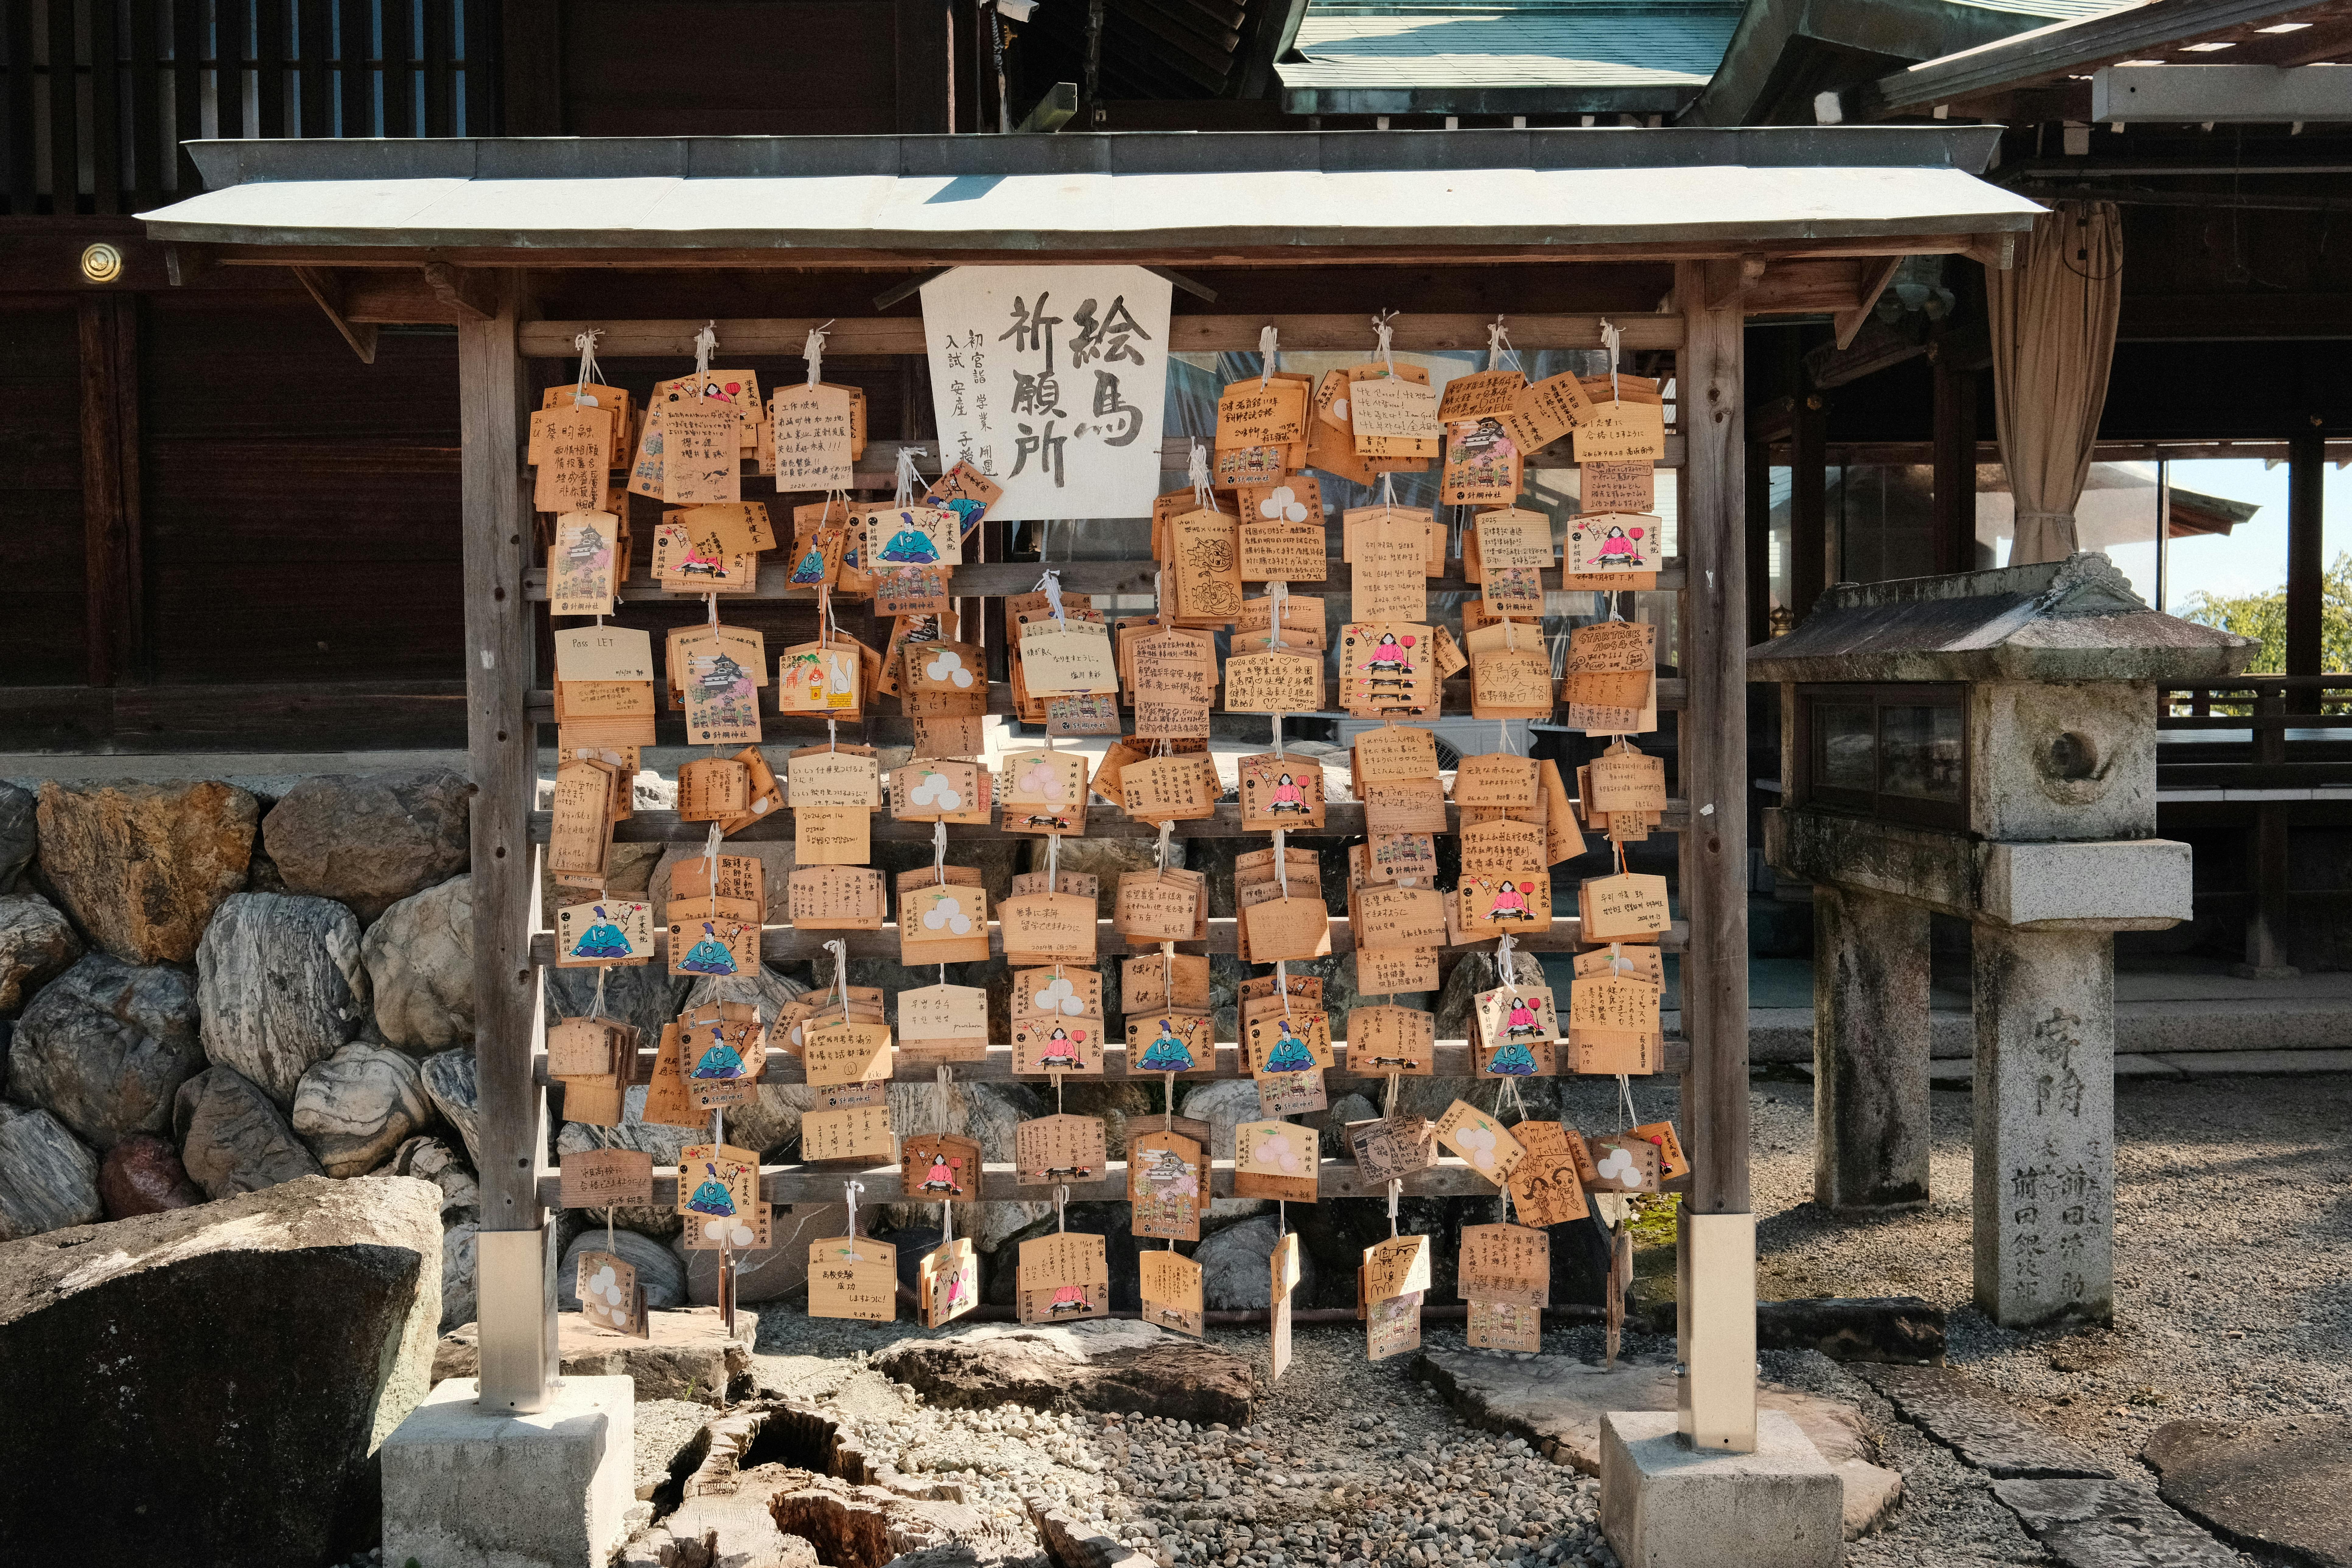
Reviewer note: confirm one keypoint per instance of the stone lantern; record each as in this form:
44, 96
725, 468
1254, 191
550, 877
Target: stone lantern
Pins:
1982, 746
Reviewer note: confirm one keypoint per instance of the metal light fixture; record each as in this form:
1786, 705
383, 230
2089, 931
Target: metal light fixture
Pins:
102, 263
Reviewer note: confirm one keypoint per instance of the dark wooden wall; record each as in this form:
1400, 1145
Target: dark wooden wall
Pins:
41, 587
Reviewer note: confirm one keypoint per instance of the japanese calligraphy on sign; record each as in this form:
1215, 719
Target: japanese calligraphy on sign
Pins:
1052, 382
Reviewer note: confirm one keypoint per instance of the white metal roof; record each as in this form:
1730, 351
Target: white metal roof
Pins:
1052, 193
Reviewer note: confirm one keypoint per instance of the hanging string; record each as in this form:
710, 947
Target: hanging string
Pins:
1282, 859
947, 1223
1612, 339
908, 476
1388, 489
586, 343
1050, 584
840, 951
596, 1002
943, 1097
1498, 343
1388, 1106
1061, 1201
1282, 983
706, 342
1625, 1100
1167, 842
1268, 352
849, 1191
814, 352
1383, 337
1053, 862
609, 1244
939, 862
1396, 1189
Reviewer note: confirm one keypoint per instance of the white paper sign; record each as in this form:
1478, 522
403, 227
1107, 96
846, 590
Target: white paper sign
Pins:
1052, 381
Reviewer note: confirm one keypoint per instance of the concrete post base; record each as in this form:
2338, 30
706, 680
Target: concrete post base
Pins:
1665, 1505
463, 1487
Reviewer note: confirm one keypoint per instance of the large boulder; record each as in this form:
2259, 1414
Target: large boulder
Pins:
37, 943
639, 993
48, 1180
1224, 1104
432, 1160
1477, 971
249, 1357
1236, 1271
142, 1174
356, 1108
106, 1045
279, 983
658, 1269
141, 867
450, 1084
2280, 1486
420, 956
19, 833
369, 841
1108, 1364
780, 1271
233, 1138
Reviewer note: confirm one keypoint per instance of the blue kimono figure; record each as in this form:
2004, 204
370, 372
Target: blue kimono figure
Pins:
967, 514
1289, 1053
1512, 1060
709, 956
718, 1059
811, 571
912, 547
1167, 1053
602, 940
711, 1196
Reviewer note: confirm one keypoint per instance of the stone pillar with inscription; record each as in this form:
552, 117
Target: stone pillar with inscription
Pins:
1869, 1051
2045, 1102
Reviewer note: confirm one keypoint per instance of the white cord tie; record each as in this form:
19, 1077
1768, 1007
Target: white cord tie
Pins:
1498, 343
586, 343
1196, 468
908, 476
706, 342
1268, 351
1050, 584
1383, 336
1612, 338
814, 352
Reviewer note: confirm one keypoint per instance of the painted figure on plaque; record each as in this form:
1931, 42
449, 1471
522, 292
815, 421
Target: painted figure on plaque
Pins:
810, 572
1167, 1053
1512, 1060
1390, 657
1288, 796
1067, 1300
718, 1059
1289, 1053
1510, 904
1525, 1020
910, 547
1061, 1051
1618, 549
709, 956
602, 938
702, 559
711, 1195
941, 1179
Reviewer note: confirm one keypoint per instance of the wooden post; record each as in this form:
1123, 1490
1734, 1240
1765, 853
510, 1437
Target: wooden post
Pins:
1760, 541
2306, 564
1719, 1310
114, 616
1809, 527
502, 752
1954, 524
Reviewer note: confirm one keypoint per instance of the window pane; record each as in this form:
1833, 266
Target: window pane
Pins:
1921, 748
1843, 742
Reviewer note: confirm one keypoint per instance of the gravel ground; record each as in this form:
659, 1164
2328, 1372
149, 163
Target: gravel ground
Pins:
2234, 1235
1351, 1461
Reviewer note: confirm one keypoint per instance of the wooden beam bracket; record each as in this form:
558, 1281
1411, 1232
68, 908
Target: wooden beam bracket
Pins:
472, 295
1875, 276
327, 290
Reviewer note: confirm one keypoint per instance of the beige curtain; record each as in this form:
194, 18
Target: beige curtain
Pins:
2053, 339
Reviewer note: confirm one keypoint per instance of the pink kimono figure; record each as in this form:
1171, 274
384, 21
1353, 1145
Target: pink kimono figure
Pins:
1510, 904
1618, 550
1059, 1052
1523, 1020
697, 564
941, 1179
1288, 796
1388, 658
1069, 1299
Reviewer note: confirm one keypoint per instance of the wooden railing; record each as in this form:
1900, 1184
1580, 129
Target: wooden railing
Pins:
2268, 705
100, 94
